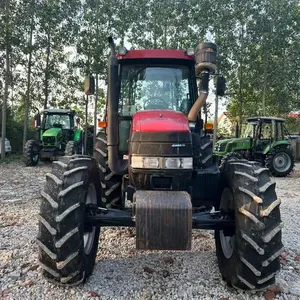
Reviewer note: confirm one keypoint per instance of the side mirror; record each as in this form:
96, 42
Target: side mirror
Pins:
37, 121
221, 86
89, 85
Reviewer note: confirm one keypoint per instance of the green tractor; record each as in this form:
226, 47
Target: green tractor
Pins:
57, 135
262, 141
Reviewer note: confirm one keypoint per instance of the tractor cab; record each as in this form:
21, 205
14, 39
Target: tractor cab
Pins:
266, 131
153, 80
60, 121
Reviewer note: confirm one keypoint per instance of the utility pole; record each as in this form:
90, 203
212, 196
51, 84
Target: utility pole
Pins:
4, 105
95, 110
86, 123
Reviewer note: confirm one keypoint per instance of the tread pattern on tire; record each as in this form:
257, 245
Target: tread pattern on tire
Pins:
27, 153
71, 148
202, 151
61, 221
206, 151
269, 159
111, 183
258, 244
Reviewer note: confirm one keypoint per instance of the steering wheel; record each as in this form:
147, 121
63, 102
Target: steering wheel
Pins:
57, 125
162, 105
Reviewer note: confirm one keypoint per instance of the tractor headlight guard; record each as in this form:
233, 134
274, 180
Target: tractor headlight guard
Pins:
140, 162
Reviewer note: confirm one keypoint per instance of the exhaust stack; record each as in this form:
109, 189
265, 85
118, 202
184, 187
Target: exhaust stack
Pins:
117, 165
205, 65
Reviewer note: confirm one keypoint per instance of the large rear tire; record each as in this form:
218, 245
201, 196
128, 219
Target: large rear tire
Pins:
111, 183
31, 154
248, 256
67, 248
280, 162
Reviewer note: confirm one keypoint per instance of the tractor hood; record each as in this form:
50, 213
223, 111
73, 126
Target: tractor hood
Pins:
228, 145
52, 132
236, 140
159, 120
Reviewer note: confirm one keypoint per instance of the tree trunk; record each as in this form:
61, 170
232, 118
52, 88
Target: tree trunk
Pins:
4, 105
46, 90
27, 99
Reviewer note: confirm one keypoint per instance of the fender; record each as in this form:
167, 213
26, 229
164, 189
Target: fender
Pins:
283, 143
77, 135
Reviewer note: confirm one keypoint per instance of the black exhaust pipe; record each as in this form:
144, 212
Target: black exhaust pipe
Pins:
117, 165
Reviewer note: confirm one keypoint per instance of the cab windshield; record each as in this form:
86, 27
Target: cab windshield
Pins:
250, 130
154, 87
58, 120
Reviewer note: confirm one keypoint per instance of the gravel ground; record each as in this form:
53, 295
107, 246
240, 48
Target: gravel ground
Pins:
120, 272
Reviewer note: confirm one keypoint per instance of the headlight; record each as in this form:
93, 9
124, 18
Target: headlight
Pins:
172, 163
151, 162
139, 162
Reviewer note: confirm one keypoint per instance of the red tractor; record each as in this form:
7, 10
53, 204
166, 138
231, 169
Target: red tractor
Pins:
154, 154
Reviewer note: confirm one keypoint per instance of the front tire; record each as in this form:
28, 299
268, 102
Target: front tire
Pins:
67, 248
280, 162
248, 255
31, 154
71, 148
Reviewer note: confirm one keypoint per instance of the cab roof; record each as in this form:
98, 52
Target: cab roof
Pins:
59, 111
156, 54
265, 119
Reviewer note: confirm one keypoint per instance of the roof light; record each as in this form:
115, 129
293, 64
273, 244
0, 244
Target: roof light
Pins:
122, 51
190, 51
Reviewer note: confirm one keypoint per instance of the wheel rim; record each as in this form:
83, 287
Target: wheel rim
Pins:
227, 242
88, 238
282, 162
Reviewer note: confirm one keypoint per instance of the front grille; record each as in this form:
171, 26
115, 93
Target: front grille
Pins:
161, 182
49, 140
221, 147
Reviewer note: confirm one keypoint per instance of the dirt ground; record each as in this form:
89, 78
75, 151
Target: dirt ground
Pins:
120, 271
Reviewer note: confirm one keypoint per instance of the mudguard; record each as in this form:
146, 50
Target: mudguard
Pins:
282, 143
77, 135
163, 220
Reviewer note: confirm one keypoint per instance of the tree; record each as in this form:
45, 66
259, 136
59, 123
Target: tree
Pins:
31, 10
7, 74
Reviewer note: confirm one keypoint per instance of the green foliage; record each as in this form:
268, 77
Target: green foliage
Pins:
293, 125
14, 131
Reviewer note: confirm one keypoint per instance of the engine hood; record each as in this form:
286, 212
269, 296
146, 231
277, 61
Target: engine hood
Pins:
159, 121
52, 132
233, 140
